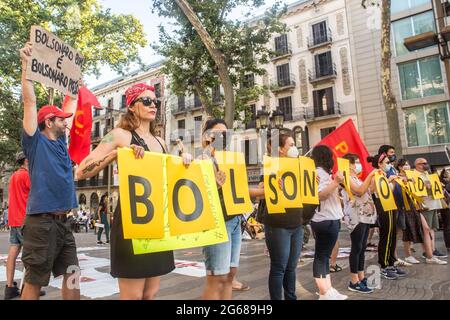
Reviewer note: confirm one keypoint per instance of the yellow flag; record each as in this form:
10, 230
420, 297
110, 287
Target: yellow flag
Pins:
308, 182
384, 192
272, 191
344, 167
189, 207
141, 194
235, 189
436, 186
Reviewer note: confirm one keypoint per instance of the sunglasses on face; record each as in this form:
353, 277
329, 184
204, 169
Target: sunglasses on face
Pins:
147, 101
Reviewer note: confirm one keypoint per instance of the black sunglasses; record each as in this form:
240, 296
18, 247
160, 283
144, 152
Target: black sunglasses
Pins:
147, 101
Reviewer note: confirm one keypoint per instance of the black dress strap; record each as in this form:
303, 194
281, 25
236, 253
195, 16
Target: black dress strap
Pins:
142, 143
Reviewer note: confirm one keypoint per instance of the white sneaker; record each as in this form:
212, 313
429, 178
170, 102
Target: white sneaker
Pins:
412, 260
435, 260
402, 263
338, 295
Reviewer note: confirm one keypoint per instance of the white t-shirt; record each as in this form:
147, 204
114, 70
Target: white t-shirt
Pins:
330, 208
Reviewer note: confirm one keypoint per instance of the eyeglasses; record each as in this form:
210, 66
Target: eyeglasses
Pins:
147, 101
423, 163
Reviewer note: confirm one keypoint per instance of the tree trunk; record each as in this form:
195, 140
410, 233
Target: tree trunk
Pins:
218, 58
389, 100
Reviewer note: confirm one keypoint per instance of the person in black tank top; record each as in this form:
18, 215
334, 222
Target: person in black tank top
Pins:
139, 275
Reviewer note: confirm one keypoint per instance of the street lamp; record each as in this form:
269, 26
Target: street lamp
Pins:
277, 119
262, 119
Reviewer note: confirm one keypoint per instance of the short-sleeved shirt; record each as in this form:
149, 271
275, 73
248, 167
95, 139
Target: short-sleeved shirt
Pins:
19, 187
52, 186
330, 208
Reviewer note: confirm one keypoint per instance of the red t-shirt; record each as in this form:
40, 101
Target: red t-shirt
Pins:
19, 187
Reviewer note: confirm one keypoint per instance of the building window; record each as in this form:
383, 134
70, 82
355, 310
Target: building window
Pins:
411, 26
123, 104
433, 120
158, 90
281, 45
181, 124
403, 5
249, 81
96, 112
251, 151
421, 78
181, 103
197, 101
319, 33
283, 75
198, 119
97, 129
323, 64
110, 103
250, 116
323, 102
326, 131
285, 105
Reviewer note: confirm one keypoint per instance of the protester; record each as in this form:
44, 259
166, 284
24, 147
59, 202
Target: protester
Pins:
431, 215
445, 213
326, 221
103, 218
49, 245
221, 260
387, 224
360, 213
283, 233
415, 231
139, 275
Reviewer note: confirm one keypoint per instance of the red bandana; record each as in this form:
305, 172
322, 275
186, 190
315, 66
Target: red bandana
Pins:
135, 90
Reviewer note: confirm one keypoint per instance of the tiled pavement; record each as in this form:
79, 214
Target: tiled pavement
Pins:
424, 282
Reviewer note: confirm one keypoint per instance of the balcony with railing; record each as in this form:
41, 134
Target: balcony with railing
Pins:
282, 51
316, 114
316, 41
284, 83
327, 73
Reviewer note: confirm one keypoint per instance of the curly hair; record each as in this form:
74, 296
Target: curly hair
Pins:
323, 157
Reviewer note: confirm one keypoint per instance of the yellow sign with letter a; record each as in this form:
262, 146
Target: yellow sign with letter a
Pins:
308, 181
436, 186
384, 192
235, 189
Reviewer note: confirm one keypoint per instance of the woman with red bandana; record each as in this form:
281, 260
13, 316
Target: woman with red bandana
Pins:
139, 275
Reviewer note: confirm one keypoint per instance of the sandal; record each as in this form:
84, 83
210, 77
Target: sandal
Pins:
335, 268
243, 287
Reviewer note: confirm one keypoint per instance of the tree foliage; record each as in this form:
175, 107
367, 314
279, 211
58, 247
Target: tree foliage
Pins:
245, 46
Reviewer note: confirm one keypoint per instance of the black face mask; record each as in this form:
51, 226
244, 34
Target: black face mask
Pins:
392, 158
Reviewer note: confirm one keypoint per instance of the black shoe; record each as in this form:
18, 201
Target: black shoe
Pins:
100, 242
107, 241
42, 293
12, 292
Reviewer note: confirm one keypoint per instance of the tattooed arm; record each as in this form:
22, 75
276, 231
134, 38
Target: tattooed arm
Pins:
102, 155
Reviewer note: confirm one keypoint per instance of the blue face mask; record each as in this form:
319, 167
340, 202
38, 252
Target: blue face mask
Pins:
388, 168
358, 168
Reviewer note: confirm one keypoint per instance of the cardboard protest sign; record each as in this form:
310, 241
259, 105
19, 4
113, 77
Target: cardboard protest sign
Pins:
189, 207
53, 62
272, 191
384, 192
436, 186
308, 181
344, 167
417, 184
141, 194
199, 239
235, 189
289, 174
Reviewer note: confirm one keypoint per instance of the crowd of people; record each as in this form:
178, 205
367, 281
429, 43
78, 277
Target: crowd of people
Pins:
49, 195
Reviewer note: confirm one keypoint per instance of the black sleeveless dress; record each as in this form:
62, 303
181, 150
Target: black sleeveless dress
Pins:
124, 263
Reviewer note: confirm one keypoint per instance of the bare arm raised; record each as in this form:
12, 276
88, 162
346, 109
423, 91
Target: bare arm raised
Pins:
28, 95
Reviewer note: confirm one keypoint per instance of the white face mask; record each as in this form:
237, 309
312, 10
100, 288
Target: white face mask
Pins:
358, 168
406, 167
293, 152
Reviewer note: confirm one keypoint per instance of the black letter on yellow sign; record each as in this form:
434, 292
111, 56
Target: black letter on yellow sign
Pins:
437, 190
420, 184
197, 196
294, 180
134, 199
384, 188
310, 181
272, 187
236, 200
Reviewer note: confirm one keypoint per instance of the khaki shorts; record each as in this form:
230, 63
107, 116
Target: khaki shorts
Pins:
49, 246
432, 219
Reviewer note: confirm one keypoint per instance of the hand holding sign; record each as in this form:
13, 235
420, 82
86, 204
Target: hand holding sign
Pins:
26, 52
220, 177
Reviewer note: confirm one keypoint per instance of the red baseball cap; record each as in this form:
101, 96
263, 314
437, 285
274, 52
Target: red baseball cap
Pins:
48, 111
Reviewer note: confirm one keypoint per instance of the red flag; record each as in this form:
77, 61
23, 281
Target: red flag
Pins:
80, 133
346, 139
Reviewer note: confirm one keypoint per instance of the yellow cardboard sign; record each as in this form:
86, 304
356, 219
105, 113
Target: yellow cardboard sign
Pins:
235, 189
272, 191
436, 186
406, 194
384, 192
189, 208
199, 239
289, 174
344, 167
308, 183
141, 194
418, 186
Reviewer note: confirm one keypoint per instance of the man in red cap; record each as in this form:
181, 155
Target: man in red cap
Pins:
49, 245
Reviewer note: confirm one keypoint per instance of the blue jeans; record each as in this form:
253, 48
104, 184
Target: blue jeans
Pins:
219, 258
327, 233
284, 246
